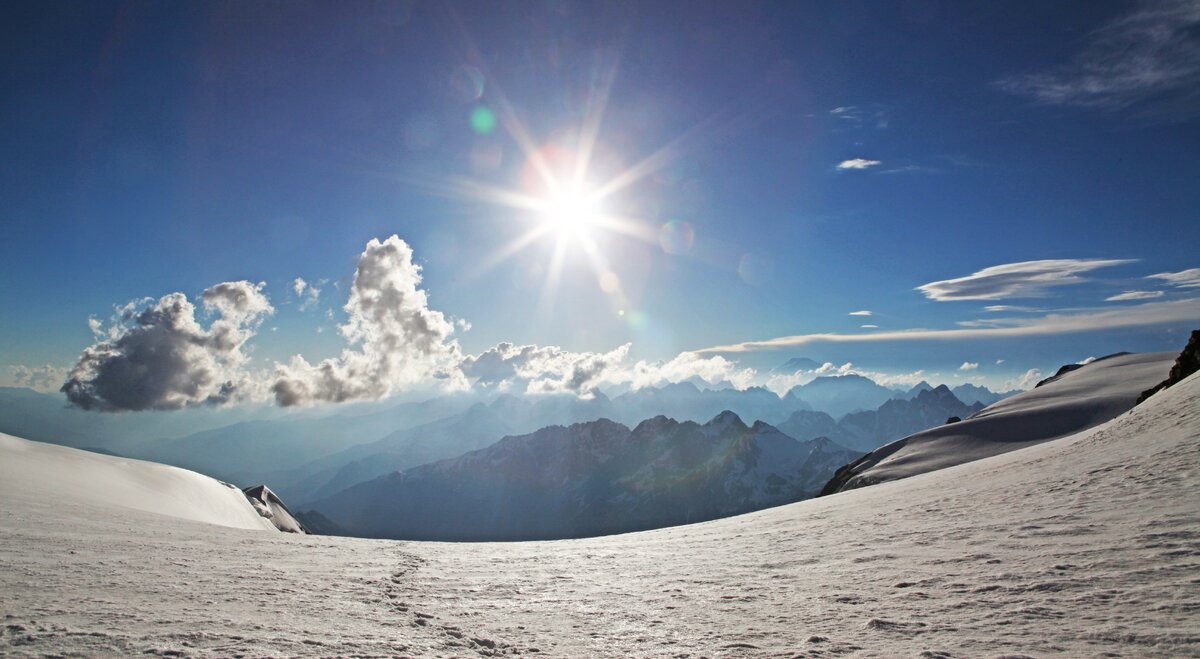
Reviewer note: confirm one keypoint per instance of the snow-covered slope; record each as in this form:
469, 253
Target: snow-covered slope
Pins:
1073, 401
84, 483
1084, 546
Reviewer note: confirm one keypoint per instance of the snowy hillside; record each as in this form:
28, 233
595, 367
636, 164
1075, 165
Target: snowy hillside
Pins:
84, 483
1085, 546
1073, 401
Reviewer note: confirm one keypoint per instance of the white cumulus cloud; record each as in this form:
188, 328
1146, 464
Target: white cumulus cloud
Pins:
156, 355
551, 369
395, 338
968, 366
45, 378
1027, 380
306, 293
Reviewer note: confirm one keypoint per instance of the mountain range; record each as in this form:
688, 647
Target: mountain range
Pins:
895, 418
591, 479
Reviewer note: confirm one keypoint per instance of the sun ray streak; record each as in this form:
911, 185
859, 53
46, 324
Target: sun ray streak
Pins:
508, 250
657, 160
597, 104
550, 284
514, 127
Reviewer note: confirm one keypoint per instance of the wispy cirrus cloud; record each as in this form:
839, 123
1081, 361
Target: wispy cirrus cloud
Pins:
1150, 54
1024, 279
859, 116
1141, 315
861, 312
1011, 308
1134, 295
1184, 279
857, 164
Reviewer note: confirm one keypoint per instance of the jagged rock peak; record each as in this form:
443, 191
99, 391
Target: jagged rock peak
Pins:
655, 424
725, 420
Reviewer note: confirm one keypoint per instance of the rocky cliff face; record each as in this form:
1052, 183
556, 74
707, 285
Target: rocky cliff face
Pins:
1187, 363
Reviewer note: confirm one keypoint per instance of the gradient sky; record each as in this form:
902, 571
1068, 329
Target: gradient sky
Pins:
827, 158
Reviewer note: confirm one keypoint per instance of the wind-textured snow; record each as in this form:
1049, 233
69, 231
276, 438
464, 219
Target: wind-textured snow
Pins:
1084, 546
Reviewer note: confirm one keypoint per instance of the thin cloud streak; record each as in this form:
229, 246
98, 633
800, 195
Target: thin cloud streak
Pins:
1145, 56
1009, 280
1142, 315
858, 163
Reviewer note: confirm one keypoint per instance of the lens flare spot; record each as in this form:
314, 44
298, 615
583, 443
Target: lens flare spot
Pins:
467, 83
637, 320
483, 120
676, 237
610, 283
754, 269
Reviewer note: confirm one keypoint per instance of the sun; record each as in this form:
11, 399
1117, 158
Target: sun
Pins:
570, 213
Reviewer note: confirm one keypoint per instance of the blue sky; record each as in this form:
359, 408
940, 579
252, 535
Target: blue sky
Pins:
826, 158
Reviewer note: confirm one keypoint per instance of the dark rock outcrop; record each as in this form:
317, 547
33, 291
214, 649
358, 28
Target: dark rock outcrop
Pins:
272, 508
1187, 363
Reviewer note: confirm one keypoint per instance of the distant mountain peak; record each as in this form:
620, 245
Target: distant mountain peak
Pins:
723, 421
843, 378
919, 387
683, 386
797, 364
655, 424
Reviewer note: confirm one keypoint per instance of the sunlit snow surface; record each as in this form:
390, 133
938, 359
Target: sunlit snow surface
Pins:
1084, 545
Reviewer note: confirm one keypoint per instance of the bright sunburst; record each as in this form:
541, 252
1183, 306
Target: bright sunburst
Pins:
571, 213
569, 196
